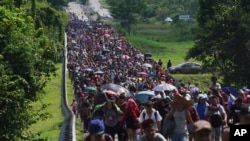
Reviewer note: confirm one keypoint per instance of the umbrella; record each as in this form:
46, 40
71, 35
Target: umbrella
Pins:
139, 55
147, 55
143, 96
142, 73
98, 72
100, 97
87, 69
117, 89
106, 35
194, 90
89, 89
233, 90
164, 87
111, 93
120, 48
147, 65
126, 57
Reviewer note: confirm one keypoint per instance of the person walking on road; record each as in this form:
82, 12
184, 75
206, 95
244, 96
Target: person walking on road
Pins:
96, 131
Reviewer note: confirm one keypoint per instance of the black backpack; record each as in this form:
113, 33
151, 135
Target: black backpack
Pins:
216, 119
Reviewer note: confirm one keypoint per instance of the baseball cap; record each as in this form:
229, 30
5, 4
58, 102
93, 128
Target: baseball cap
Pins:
147, 123
202, 125
96, 127
201, 96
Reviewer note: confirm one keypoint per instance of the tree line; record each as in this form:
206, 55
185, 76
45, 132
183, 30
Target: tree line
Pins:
31, 39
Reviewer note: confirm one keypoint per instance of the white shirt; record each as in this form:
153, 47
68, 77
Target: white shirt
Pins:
159, 118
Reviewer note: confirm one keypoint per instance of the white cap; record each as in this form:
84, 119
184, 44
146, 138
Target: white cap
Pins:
200, 96
158, 96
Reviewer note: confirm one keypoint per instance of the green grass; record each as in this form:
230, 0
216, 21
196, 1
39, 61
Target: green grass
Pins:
163, 40
200, 80
175, 51
163, 32
50, 128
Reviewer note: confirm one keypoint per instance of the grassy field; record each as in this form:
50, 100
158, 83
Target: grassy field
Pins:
50, 128
166, 41
175, 51
163, 40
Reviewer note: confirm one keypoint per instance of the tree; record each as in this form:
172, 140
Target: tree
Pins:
222, 40
27, 60
126, 11
58, 4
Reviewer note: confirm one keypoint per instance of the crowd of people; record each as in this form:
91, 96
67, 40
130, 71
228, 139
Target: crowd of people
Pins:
98, 55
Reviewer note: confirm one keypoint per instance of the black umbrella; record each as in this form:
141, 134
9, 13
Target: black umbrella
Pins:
117, 88
100, 97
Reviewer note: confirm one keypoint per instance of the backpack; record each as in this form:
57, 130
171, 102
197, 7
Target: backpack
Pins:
216, 119
144, 115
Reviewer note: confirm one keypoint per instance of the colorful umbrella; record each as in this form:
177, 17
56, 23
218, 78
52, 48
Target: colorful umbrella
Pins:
142, 73
126, 57
111, 93
116, 88
106, 35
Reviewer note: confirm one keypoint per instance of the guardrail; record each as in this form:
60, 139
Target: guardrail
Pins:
68, 127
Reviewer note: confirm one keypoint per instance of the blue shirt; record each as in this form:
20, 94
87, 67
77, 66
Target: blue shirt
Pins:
201, 110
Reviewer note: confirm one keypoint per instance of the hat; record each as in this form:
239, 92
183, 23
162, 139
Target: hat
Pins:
158, 96
96, 127
245, 110
185, 101
202, 125
147, 123
201, 96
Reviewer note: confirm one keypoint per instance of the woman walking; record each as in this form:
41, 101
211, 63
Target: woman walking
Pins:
130, 118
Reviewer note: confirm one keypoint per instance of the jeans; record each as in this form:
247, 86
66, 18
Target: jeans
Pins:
85, 123
216, 133
179, 136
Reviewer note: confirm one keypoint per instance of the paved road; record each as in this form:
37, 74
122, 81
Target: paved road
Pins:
96, 6
78, 9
